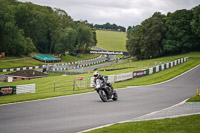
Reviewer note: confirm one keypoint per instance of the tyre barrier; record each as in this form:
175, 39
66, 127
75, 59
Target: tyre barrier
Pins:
44, 66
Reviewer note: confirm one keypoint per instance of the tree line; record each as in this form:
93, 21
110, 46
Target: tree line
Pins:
161, 35
109, 26
27, 28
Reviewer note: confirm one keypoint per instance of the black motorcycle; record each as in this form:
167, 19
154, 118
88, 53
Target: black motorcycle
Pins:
106, 91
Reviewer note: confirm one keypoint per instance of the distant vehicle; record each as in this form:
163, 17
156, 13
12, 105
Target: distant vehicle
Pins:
107, 57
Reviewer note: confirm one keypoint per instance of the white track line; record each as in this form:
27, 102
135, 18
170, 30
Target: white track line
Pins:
152, 113
159, 118
46, 99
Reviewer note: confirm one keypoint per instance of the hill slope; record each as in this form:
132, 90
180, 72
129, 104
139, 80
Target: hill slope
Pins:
111, 40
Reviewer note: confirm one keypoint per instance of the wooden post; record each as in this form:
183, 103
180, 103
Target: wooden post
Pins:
74, 85
54, 86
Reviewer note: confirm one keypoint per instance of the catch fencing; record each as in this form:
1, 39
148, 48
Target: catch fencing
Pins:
78, 83
81, 82
63, 84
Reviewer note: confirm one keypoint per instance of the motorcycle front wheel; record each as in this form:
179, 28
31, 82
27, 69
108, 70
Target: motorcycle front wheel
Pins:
103, 95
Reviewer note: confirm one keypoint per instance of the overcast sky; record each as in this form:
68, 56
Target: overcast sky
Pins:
121, 12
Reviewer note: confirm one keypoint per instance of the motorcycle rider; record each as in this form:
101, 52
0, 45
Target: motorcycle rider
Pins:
103, 80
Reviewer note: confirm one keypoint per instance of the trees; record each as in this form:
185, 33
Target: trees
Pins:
26, 27
85, 37
195, 26
179, 37
60, 20
144, 41
109, 26
66, 41
196, 21
178, 32
153, 30
37, 24
13, 41
133, 43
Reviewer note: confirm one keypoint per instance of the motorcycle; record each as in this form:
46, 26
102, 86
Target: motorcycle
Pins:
105, 91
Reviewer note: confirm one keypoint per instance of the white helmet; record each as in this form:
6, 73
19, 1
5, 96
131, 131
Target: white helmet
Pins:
96, 74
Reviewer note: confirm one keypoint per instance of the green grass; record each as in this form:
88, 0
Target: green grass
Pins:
44, 89
194, 59
12, 57
33, 62
19, 63
44, 86
194, 99
108, 40
186, 124
68, 58
111, 40
161, 76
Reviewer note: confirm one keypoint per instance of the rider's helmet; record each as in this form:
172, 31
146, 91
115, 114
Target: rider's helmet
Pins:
96, 74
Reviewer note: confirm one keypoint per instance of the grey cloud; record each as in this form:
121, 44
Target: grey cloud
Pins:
121, 12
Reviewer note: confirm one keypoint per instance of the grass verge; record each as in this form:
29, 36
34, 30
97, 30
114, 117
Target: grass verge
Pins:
160, 76
194, 99
186, 124
44, 86
69, 58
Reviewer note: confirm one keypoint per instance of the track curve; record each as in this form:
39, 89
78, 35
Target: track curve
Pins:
75, 113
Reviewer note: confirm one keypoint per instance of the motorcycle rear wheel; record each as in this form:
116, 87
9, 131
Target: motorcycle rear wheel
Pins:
115, 96
103, 95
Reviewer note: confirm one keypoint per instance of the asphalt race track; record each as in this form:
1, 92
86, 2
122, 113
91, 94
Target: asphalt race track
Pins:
75, 113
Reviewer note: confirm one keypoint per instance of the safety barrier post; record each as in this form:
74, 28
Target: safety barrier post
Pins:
147, 71
160, 67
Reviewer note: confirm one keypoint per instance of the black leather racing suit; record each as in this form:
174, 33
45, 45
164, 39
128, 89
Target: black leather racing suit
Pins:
104, 82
